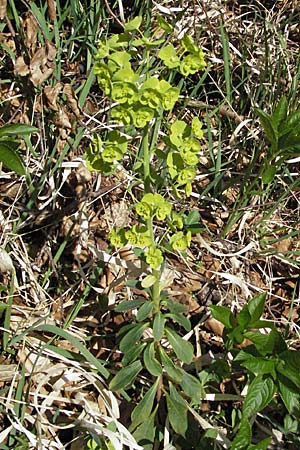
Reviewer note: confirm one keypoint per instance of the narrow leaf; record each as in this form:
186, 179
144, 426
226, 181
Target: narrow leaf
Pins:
133, 354
280, 113
145, 432
152, 364
158, 326
17, 129
130, 339
144, 311
265, 121
143, 409
192, 387
183, 349
173, 371
177, 414
130, 304
181, 319
11, 159
68, 337
126, 376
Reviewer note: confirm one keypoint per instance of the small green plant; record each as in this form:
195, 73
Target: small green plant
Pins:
272, 369
161, 152
9, 145
282, 129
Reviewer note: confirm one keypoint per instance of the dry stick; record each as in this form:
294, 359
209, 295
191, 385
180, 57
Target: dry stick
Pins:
113, 14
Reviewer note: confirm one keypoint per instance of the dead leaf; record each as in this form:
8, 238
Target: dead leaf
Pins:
62, 119
51, 94
52, 9
3, 4
71, 99
30, 25
21, 67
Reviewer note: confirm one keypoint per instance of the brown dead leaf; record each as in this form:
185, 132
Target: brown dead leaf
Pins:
71, 99
283, 245
51, 94
3, 5
21, 67
30, 25
52, 9
51, 51
62, 119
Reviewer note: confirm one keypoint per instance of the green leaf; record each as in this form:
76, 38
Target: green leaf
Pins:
143, 410
133, 24
269, 173
158, 326
133, 354
183, 349
177, 414
260, 366
192, 387
173, 371
181, 319
289, 366
259, 395
197, 128
256, 306
174, 307
17, 129
271, 343
11, 159
151, 363
130, 304
290, 399
126, 376
280, 113
262, 445
223, 315
292, 123
148, 281
166, 26
145, 433
243, 437
193, 218
130, 339
244, 317
265, 121
169, 56
144, 310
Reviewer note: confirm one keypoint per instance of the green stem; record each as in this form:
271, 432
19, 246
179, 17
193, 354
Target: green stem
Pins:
156, 291
146, 157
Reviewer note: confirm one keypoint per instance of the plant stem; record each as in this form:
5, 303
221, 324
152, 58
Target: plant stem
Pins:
146, 156
156, 291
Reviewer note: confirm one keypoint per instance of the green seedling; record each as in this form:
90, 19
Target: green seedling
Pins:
271, 367
282, 129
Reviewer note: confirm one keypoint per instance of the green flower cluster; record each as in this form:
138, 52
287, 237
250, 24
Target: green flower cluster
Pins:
102, 155
184, 149
153, 205
189, 59
138, 102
